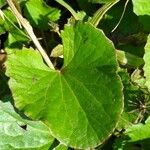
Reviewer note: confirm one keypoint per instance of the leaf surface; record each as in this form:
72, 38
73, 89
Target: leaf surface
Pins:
76, 100
135, 136
2, 3
139, 132
8, 24
141, 8
147, 63
17, 133
40, 15
131, 92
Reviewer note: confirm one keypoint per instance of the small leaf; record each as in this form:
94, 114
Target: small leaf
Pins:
139, 132
57, 51
147, 63
40, 15
141, 8
71, 101
15, 41
135, 137
18, 133
8, 24
128, 59
2, 3
131, 93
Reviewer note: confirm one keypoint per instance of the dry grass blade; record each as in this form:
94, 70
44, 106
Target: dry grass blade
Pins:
30, 32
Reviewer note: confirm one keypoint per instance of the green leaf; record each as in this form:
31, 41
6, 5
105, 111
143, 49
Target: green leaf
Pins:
98, 15
138, 79
139, 132
8, 24
5, 24
141, 8
2, 3
126, 58
16, 37
15, 41
136, 137
40, 15
71, 101
131, 93
147, 63
57, 51
17, 133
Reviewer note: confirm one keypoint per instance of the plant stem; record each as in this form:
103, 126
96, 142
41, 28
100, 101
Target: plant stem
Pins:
125, 6
17, 28
63, 3
30, 32
100, 13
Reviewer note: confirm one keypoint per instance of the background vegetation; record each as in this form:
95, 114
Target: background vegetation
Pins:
74, 74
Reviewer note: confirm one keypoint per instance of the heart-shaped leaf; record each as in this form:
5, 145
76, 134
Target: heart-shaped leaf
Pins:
82, 102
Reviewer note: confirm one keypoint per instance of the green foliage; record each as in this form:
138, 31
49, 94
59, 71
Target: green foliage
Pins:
40, 15
135, 135
139, 132
141, 8
8, 23
2, 3
147, 63
96, 92
68, 92
22, 134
